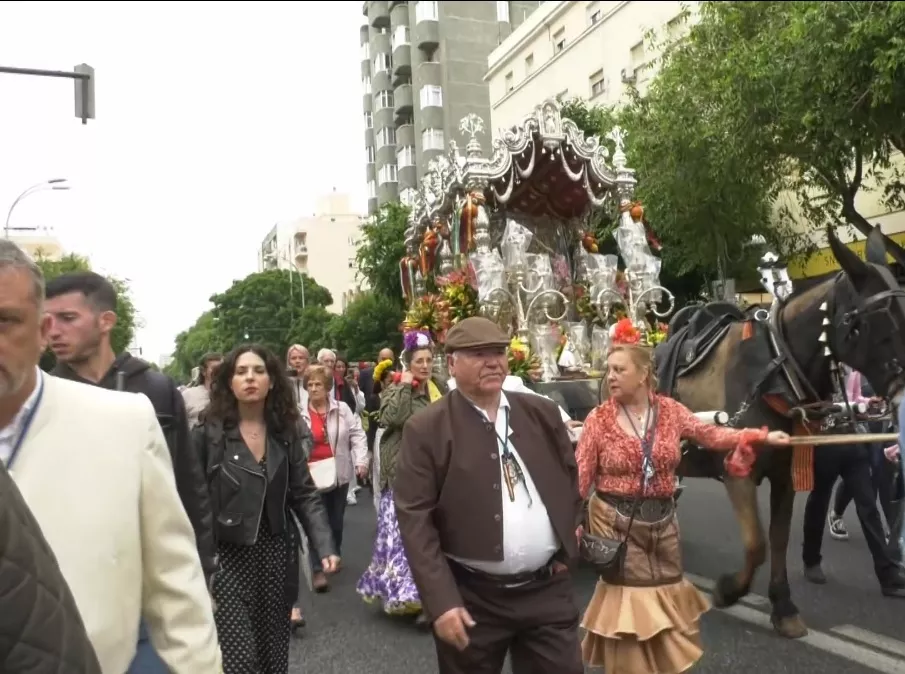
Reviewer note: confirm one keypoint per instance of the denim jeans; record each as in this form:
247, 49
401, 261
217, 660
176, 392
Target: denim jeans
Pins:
146, 660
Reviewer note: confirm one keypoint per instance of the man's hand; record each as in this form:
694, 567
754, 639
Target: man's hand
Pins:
574, 424
361, 472
452, 627
559, 567
778, 438
892, 453
330, 564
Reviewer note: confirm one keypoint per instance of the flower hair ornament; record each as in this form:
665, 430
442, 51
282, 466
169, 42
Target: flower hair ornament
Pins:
625, 332
416, 339
382, 368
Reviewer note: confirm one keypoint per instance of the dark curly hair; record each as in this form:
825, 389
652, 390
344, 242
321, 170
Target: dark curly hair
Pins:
280, 410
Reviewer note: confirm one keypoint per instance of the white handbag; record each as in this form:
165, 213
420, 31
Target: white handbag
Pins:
323, 472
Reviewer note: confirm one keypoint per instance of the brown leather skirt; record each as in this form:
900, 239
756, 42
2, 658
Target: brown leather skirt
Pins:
648, 624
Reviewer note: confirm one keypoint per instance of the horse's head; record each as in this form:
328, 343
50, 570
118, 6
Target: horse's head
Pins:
867, 316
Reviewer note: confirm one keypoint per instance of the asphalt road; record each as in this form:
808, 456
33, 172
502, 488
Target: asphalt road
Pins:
854, 629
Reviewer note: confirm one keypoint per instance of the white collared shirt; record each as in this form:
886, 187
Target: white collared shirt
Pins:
9, 435
528, 537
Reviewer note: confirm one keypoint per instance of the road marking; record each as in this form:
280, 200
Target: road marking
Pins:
877, 641
862, 655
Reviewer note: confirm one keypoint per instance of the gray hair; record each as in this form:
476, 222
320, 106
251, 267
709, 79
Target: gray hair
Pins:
13, 257
325, 352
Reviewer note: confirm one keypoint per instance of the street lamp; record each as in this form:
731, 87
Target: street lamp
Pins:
53, 184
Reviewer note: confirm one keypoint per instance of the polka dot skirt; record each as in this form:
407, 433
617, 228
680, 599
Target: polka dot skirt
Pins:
252, 612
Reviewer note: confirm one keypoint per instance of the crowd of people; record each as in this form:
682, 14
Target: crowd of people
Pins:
208, 507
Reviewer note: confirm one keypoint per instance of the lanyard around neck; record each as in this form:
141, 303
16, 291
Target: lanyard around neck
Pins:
26, 424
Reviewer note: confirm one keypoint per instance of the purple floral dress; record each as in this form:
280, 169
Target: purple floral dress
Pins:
388, 579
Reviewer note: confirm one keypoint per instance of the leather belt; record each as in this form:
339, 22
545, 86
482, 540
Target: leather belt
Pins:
508, 580
650, 510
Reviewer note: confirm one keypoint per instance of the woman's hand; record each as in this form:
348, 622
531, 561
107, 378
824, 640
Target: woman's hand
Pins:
892, 453
361, 472
778, 438
407, 377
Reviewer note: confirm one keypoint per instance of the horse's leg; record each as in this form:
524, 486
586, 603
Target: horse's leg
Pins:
785, 617
743, 495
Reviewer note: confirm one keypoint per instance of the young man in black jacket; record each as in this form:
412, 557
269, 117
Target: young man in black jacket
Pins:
83, 307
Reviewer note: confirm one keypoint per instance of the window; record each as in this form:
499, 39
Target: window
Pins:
382, 63
598, 83
559, 40
365, 51
369, 121
387, 174
366, 85
502, 12
593, 11
372, 189
427, 11
432, 139
405, 156
431, 96
351, 266
370, 154
386, 136
674, 28
638, 55
383, 99
510, 82
400, 36
529, 64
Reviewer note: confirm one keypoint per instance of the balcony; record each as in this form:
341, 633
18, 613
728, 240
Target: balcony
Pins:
378, 14
403, 97
402, 57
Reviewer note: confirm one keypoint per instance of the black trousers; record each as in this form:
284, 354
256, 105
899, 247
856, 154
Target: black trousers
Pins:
852, 464
883, 478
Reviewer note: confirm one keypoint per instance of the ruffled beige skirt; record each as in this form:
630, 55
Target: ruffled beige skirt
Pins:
650, 623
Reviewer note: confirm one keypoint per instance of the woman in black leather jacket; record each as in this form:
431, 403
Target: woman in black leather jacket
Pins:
254, 450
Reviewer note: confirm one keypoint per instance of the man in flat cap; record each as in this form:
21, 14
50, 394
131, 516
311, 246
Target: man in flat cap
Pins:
487, 502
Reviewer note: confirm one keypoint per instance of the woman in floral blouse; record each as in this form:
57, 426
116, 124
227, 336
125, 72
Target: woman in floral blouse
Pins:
648, 622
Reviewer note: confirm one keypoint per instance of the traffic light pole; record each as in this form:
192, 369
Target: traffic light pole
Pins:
83, 75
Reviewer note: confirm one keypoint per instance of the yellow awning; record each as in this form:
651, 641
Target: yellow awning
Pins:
823, 262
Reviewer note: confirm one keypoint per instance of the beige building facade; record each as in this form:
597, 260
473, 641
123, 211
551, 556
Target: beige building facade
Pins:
322, 246
43, 246
596, 51
592, 50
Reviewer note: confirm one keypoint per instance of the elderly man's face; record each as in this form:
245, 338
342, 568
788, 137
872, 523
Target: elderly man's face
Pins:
479, 371
23, 329
328, 360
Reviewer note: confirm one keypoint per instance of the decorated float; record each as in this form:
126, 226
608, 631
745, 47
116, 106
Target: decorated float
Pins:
514, 236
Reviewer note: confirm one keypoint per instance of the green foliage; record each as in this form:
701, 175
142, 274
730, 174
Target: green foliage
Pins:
264, 307
126, 316
380, 249
370, 323
804, 96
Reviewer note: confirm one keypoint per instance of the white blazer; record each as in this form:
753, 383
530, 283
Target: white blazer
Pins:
95, 470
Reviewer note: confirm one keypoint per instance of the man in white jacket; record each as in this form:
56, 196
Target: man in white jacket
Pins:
94, 469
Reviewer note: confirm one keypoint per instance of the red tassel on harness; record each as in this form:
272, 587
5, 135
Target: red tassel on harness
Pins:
740, 460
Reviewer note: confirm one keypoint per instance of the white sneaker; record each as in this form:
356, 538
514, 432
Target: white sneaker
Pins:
837, 527
351, 499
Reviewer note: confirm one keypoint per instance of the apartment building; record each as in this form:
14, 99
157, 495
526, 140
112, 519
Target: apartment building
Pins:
321, 245
595, 51
592, 50
422, 70
39, 244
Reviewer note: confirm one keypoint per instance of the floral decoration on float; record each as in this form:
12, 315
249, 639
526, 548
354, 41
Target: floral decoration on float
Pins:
522, 362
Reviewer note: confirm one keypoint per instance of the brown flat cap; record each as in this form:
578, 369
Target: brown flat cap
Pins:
474, 333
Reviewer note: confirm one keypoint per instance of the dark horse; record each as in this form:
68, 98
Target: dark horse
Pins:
854, 317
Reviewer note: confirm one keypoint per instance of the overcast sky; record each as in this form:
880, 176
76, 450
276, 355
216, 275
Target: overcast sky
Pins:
214, 121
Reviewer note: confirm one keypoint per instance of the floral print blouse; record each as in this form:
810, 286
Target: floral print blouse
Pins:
609, 459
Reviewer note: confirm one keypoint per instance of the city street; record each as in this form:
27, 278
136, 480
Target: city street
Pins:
854, 629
